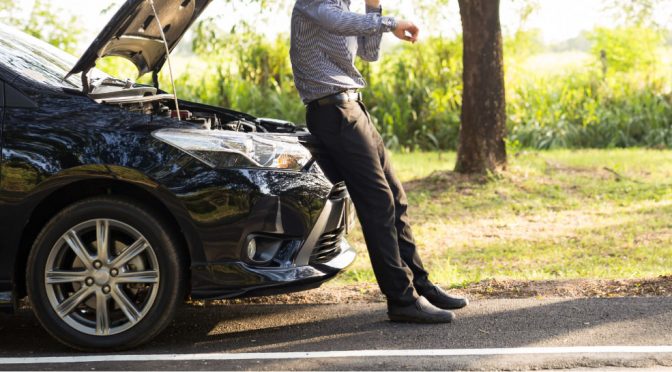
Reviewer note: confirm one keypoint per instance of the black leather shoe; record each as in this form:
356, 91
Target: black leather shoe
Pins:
439, 298
420, 312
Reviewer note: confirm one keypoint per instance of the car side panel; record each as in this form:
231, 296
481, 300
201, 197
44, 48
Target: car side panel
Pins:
5, 282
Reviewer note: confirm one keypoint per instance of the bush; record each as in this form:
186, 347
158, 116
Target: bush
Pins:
626, 49
583, 110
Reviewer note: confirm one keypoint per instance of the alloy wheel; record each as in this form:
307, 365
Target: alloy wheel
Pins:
102, 277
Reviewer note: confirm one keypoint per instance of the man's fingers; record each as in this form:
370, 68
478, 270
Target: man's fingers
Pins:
414, 30
407, 31
410, 36
414, 35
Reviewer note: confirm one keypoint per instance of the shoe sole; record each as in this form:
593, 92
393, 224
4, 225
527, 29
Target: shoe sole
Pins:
405, 319
452, 307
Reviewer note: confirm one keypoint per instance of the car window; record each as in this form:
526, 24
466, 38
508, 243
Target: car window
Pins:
14, 98
34, 59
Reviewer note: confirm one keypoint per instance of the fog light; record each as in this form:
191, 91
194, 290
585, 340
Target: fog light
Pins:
252, 248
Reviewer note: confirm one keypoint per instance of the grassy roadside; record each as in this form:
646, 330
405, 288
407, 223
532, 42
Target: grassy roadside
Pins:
598, 214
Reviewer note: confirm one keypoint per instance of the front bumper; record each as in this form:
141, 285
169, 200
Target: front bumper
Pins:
299, 264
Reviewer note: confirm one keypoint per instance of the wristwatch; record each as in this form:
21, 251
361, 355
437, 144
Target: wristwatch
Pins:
388, 23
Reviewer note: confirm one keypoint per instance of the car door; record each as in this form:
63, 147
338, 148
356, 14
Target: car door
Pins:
5, 282
12, 99
2, 116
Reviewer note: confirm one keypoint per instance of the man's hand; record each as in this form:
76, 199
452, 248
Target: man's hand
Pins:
406, 31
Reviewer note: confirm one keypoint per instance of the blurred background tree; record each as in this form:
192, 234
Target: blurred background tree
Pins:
635, 12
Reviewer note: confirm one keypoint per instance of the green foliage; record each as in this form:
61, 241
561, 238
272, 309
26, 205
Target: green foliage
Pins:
243, 70
6, 5
120, 67
523, 44
635, 12
415, 94
626, 49
581, 109
620, 99
46, 23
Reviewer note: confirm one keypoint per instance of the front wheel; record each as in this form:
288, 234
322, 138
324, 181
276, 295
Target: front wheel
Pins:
105, 274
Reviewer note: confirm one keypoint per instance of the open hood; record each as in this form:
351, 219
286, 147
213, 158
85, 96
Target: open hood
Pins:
133, 33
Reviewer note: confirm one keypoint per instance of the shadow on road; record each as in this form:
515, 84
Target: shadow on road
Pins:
485, 324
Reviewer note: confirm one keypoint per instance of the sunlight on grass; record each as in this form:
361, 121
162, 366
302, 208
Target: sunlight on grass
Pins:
559, 214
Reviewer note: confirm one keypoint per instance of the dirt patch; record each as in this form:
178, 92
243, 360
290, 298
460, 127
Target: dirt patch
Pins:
604, 173
492, 288
440, 181
559, 227
573, 288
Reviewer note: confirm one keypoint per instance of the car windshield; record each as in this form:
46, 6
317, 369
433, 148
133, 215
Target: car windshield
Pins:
37, 60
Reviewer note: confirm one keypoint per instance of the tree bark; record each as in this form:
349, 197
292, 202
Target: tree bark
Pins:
481, 145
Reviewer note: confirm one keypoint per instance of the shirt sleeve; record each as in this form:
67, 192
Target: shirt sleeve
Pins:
369, 45
330, 15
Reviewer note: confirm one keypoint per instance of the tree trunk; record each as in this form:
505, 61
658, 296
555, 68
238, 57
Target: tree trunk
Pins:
482, 147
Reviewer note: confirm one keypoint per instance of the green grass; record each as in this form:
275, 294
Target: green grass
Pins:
601, 214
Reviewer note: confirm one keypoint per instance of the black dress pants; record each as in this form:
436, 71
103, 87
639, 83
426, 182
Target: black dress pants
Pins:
357, 155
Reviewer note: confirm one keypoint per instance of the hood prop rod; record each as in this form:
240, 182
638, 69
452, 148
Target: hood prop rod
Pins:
170, 66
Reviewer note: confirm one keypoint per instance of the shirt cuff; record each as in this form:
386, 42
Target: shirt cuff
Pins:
388, 24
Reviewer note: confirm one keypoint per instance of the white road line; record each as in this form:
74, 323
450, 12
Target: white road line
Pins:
340, 354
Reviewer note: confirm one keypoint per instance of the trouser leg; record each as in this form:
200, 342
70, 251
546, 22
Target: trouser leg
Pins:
407, 247
350, 139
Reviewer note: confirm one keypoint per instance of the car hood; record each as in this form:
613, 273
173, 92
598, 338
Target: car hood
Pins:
133, 33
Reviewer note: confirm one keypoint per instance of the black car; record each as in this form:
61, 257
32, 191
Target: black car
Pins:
118, 202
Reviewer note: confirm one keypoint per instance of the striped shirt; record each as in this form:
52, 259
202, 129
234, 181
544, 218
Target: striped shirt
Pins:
326, 38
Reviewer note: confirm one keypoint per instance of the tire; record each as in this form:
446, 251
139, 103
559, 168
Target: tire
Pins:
93, 301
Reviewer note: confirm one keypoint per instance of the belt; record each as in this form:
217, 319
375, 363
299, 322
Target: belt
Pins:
342, 97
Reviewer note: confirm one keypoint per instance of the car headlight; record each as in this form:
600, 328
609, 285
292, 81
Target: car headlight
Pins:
226, 149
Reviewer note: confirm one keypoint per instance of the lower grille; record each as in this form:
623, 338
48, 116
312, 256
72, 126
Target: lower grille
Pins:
328, 246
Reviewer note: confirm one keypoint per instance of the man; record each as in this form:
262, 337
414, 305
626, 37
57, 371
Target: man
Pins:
326, 38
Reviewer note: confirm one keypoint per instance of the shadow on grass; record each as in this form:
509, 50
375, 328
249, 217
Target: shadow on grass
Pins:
441, 181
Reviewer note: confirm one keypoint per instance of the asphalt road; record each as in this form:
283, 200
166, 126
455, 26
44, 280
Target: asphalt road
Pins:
374, 343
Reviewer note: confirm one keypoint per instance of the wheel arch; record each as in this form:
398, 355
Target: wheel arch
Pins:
59, 198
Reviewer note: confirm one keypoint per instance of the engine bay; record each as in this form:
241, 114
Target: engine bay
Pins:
148, 100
